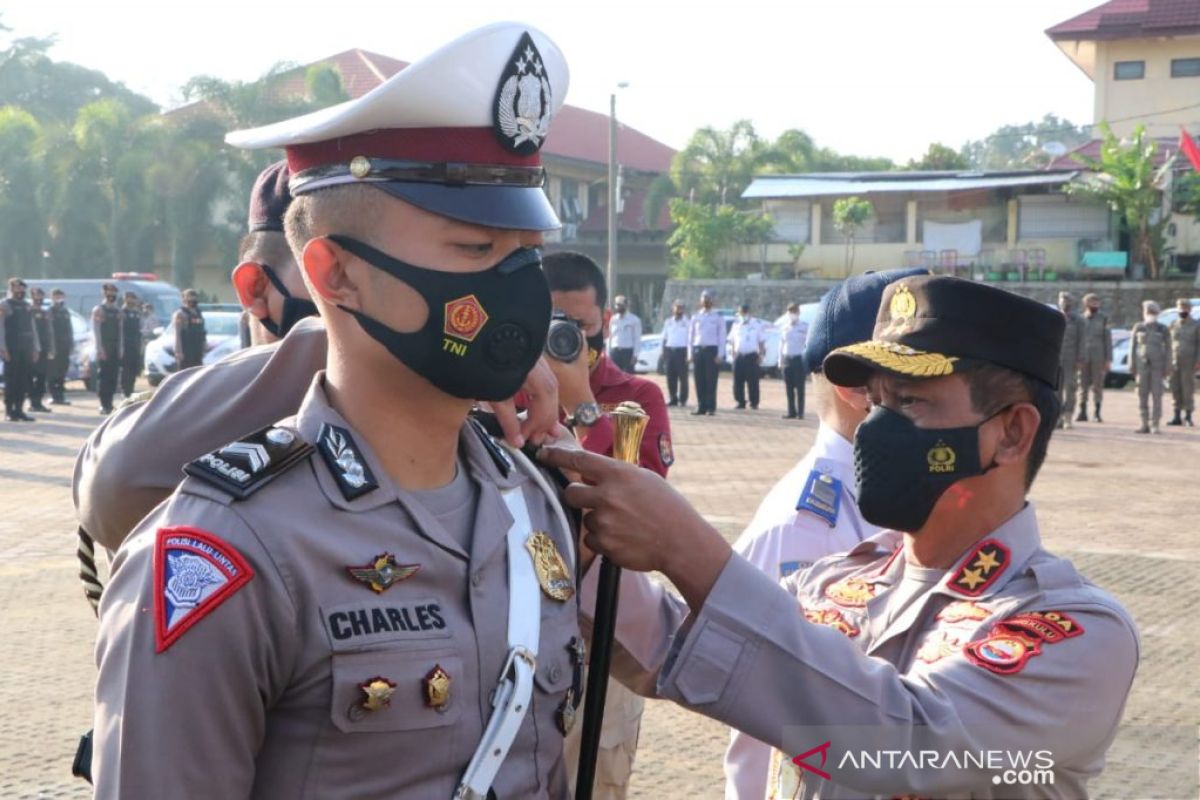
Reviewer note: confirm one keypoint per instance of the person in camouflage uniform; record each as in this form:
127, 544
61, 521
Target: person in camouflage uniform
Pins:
1071, 360
1096, 356
1185, 361
1148, 360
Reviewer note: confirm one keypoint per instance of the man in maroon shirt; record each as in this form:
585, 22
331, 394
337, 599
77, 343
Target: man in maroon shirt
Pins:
589, 388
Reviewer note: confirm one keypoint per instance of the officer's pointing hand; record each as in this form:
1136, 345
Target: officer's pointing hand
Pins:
541, 395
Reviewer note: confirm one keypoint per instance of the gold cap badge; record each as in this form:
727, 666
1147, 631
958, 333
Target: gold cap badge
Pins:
903, 303
360, 167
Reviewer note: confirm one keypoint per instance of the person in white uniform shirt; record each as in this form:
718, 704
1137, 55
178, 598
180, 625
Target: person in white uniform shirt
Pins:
791, 361
675, 348
748, 338
706, 343
812, 511
625, 336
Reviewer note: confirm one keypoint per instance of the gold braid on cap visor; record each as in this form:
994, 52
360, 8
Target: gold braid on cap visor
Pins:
903, 359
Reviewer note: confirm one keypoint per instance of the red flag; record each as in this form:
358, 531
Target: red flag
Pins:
1188, 145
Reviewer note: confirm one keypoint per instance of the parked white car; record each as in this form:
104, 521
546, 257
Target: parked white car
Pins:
220, 326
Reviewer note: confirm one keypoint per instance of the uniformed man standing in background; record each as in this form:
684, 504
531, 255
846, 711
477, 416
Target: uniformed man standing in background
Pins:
40, 373
1185, 363
190, 336
1096, 356
812, 512
706, 348
106, 332
19, 348
626, 336
1149, 357
747, 337
675, 349
346, 636
64, 344
131, 343
1072, 358
791, 361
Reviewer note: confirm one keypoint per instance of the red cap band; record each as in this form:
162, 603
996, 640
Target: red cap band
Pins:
436, 145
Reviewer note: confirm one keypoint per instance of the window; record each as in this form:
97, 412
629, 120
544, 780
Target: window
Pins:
1129, 70
1185, 67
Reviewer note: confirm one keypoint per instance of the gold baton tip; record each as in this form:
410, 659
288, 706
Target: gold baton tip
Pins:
629, 425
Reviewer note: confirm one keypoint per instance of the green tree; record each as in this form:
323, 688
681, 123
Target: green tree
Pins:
22, 224
939, 157
1024, 146
850, 214
703, 235
1127, 180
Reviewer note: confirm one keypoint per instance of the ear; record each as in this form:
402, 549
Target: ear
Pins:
1019, 426
325, 267
853, 396
251, 284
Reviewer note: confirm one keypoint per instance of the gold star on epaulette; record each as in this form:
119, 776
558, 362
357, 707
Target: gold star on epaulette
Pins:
980, 569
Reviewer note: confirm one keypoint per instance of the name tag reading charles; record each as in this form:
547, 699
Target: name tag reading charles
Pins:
356, 625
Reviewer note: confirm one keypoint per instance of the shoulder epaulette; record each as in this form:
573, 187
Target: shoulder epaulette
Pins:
480, 423
243, 467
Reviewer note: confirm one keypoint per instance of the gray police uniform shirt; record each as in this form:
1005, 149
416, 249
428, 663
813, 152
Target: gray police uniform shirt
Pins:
1151, 347
133, 460
1011, 651
1073, 344
1097, 341
262, 693
812, 512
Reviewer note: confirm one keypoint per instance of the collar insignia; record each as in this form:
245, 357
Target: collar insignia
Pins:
523, 103
980, 569
344, 460
963, 611
832, 618
383, 572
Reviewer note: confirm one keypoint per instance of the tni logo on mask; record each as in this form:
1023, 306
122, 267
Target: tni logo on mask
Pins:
941, 458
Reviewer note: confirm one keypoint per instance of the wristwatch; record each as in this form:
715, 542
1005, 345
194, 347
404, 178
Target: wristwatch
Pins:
586, 414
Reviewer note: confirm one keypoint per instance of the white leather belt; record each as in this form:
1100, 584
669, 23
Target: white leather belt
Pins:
510, 701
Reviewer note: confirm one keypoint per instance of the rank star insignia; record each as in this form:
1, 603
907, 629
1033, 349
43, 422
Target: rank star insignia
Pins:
377, 693
980, 569
383, 572
523, 104
436, 686
550, 568
850, 592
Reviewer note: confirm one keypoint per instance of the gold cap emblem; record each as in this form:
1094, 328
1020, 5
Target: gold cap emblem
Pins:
941, 458
360, 167
903, 304
437, 688
548, 564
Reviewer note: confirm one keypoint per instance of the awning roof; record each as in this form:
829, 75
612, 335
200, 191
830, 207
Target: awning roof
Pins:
830, 184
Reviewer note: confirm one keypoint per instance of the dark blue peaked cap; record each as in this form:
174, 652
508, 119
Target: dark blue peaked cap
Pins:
847, 313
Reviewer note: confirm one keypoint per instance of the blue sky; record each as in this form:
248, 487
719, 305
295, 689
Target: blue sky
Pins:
870, 77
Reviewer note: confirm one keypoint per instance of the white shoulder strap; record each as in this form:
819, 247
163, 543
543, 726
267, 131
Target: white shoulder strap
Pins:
510, 701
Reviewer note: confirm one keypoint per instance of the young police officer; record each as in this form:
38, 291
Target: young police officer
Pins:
372, 598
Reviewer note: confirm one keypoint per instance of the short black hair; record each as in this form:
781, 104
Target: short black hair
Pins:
993, 388
570, 271
15, 282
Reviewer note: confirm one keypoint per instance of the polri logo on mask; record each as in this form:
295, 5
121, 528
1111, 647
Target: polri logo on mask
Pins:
941, 458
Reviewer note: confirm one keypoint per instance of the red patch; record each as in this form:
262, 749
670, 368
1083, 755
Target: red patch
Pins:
1002, 652
465, 318
1049, 626
194, 572
980, 570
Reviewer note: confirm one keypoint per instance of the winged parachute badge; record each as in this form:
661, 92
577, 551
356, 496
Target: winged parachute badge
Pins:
523, 102
383, 572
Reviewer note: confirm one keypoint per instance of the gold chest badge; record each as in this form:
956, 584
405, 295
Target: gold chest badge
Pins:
377, 693
550, 568
832, 618
850, 592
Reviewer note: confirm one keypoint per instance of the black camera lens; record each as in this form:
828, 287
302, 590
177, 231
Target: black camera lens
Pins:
565, 340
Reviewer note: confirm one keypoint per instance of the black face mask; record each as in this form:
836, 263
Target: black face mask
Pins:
485, 330
294, 309
903, 470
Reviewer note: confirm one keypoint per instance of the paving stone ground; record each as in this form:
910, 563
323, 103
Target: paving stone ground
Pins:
1123, 506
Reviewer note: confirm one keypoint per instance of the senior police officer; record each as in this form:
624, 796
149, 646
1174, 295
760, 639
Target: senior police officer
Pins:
812, 511
19, 349
1185, 363
675, 349
371, 628
791, 361
106, 333
64, 343
706, 347
1096, 356
1149, 359
1071, 360
953, 630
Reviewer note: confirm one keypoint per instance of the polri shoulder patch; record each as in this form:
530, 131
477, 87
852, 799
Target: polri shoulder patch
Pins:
245, 466
194, 572
345, 460
822, 496
665, 452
